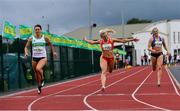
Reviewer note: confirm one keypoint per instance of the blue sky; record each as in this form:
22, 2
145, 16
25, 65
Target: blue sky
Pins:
67, 15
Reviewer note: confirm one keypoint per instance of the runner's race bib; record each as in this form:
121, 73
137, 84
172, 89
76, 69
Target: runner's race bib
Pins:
158, 43
107, 46
38, 51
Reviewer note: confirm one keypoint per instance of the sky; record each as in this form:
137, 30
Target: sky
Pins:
67, 15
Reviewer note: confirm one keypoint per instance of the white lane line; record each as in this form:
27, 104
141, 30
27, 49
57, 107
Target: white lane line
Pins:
82, 95
85, 98
24, 96
170, 76
30, 105
21, 92
60, 83
116, 94
133, 95
134, 83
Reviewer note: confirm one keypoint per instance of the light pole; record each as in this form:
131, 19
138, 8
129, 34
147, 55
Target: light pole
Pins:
48, 26
50, 53
123, 46
90, 19
90, 32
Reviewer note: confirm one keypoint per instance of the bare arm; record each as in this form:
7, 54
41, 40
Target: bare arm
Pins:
90, 41
124, 40
52, 47
27, 46
165, 46
149, 45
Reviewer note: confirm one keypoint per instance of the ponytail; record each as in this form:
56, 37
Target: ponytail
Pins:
103, 31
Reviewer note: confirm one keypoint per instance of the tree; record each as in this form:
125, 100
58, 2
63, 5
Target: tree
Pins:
137, 21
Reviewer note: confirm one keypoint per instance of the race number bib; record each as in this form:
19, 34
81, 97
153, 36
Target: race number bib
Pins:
38, 51
158, 43
107, 46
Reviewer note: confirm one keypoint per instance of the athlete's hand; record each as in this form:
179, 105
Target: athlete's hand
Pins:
85, 39
25, 55
135, 39
168, 53
54, 54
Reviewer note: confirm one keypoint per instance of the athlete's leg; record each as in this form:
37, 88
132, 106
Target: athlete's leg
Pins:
39, 68
34, 64
37, 75
159, 69
115, 64
154, 63
110, 66
103, 65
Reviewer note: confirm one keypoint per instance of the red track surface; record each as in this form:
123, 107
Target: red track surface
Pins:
131, 89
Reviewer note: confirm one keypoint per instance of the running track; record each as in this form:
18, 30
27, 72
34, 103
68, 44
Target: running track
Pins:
127, 89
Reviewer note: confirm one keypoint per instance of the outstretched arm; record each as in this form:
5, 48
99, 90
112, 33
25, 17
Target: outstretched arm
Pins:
124, 40
27, 46
90, 41
52, 47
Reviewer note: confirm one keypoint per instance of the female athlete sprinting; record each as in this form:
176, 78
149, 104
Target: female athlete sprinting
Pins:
107, 57
39, 56
155, 47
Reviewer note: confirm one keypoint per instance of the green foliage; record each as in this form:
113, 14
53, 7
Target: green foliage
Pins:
138, 21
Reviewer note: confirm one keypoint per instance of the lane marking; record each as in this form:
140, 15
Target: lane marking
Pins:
85, 98
171, 76
56, 84
117, 94
30, 105
133, 95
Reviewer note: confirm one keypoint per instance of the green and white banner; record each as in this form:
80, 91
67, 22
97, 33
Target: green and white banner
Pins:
25, 31
9, 30
76, 43
60, 40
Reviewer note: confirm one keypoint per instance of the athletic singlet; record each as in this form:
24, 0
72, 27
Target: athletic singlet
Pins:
38, 47
157, 42
117, 55
107, 46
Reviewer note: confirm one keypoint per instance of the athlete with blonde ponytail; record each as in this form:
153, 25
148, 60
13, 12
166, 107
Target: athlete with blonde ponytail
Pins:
155, 47
107, 57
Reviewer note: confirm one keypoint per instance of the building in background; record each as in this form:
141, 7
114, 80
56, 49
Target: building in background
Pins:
168, 29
